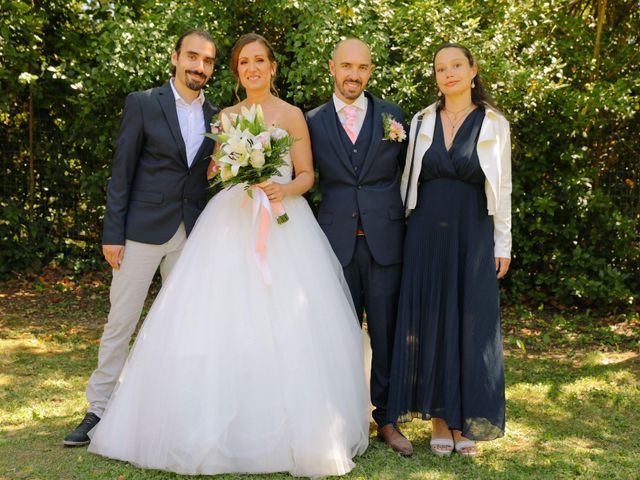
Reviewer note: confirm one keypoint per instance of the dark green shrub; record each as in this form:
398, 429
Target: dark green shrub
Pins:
574, 120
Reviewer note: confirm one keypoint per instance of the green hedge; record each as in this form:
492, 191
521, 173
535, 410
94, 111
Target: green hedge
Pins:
575, 122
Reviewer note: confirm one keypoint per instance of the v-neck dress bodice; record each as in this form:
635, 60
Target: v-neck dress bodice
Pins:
447, 356
460, 161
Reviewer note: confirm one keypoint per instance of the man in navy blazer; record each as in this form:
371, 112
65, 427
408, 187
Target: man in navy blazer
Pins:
156, 192
361, 210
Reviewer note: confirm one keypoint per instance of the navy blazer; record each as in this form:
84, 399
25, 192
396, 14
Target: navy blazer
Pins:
371, 196
152, 188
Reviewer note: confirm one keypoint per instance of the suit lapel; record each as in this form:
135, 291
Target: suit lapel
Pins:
208, 111
333, 135
168, 103
376, 134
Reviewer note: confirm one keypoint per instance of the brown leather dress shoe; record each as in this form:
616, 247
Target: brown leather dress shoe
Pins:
395, 440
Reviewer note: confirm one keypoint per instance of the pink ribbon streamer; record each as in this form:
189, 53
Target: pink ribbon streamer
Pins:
262, 214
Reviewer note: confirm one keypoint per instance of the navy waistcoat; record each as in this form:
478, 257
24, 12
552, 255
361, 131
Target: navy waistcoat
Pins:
358, 152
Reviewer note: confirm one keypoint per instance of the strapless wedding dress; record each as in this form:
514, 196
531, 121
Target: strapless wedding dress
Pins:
230, 374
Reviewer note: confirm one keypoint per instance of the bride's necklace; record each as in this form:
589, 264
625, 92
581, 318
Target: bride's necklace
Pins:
455, 120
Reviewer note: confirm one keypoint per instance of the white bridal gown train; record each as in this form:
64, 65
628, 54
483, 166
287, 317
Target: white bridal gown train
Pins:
229, 374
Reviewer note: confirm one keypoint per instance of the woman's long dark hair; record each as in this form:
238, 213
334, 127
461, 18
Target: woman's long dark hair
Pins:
478, 94
244, 40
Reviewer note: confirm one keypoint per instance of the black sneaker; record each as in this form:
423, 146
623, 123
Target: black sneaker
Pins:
79, 436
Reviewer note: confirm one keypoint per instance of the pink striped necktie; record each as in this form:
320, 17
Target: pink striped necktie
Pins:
350, 123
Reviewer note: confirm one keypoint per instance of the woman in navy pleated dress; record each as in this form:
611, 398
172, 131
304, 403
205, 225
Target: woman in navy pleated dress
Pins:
448, 362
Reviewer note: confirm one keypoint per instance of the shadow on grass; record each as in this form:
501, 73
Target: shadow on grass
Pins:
581, 409
36, 379
568, 438
36, 452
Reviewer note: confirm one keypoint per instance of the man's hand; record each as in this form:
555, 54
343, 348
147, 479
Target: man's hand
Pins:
113, 254
502, 266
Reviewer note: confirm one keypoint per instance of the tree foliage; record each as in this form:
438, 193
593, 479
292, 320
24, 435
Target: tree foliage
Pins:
67, 66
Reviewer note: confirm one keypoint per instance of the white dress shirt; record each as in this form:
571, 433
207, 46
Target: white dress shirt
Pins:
361, 105
191, 120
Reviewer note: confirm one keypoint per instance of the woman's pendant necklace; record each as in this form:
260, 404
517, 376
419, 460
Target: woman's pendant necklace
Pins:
455, 122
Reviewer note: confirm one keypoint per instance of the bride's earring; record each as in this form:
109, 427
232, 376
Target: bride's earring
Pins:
439, 93
473, 84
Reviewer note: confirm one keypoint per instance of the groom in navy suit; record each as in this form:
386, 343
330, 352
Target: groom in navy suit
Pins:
361, 210
156, 193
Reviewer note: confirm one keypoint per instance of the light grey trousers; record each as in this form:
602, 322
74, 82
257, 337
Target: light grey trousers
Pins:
129, 289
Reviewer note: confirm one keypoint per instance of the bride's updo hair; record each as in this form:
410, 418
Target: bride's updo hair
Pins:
243, 41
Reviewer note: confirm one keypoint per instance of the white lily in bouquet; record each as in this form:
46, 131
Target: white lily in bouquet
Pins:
250, 152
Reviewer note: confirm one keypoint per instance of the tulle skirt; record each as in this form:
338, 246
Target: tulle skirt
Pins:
229, 374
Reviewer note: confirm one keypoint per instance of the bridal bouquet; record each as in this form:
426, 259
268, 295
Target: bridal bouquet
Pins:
250, 152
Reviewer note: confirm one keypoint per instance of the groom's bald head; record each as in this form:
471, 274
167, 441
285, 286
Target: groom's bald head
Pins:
351, 43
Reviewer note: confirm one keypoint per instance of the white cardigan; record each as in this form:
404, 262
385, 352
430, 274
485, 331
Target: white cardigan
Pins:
494, 152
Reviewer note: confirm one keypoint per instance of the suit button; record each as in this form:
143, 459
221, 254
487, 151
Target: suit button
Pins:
355, 150
354, 215
184, 200
359, 187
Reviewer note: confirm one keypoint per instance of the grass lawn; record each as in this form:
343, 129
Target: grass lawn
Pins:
573, 395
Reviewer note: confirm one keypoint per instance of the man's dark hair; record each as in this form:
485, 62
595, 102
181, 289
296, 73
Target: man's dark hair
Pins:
194, 31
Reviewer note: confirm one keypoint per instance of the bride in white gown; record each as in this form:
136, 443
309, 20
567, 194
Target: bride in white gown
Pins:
229, 374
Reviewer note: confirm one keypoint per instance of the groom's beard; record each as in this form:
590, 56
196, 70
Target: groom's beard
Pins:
348, 94
192, 84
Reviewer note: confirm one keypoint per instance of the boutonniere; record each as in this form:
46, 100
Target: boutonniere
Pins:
393, 129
